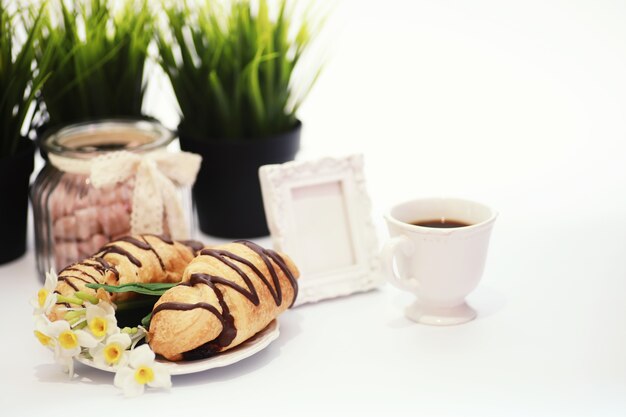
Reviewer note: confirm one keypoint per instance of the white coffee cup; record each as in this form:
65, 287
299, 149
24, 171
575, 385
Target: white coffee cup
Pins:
441, 266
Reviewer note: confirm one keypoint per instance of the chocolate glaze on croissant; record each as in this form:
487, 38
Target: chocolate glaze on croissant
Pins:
228, 294
141, 258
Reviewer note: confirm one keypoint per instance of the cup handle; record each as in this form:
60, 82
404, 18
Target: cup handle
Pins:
388, 254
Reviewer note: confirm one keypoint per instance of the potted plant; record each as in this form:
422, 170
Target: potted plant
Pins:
90, 105
19, 82
232, 73
98, 59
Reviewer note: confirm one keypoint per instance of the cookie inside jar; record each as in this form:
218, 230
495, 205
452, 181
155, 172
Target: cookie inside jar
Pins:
74, 218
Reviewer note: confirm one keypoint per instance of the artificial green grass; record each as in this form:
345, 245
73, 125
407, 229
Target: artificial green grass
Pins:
98, 60
231, 67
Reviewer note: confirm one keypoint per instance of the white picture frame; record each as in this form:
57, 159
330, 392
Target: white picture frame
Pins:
319, 213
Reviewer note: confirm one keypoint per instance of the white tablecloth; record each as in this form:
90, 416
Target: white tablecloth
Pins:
520, 105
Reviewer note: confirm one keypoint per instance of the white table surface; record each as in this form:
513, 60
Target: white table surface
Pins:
521, 105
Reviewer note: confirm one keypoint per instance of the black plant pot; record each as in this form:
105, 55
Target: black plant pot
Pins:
14, 179
227, 192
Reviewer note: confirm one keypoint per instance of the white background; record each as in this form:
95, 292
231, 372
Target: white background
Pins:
520, 105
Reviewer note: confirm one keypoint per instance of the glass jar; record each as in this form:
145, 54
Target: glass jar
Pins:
72, 218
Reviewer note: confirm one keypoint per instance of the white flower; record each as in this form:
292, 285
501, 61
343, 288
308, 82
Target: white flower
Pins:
68, 342
47, 333
46, 298
42, 332
113, 351
101, 320
142, 371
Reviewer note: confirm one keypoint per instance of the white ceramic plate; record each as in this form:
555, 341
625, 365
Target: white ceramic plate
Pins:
248, 348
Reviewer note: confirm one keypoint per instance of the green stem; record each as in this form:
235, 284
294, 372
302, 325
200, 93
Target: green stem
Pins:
71, 300
73, 320
81, 325
145, 322
71, 315
87, 297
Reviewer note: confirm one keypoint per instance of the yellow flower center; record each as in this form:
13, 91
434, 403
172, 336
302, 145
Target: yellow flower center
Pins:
41, 296
43, 339
144, 374
68, 340
98, 326
113, 353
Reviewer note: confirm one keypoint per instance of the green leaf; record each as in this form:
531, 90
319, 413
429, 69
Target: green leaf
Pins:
220, 95
145, 322
156, 289
96, 58
231, 66
256, 97
20, 80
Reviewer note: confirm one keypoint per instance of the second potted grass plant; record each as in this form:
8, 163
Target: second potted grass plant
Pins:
231, 71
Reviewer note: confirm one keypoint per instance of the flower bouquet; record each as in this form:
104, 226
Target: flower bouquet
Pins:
89, 332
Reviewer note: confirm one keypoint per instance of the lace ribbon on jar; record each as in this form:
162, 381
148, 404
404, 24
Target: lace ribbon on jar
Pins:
154, 193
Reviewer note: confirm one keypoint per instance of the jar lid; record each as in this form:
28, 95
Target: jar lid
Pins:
90, 139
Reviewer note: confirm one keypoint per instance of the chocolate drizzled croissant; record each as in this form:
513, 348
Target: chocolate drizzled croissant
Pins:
228, 294
141, 258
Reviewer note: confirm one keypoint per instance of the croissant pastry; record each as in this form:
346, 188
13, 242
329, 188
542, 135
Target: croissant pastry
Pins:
141, 258
228, 294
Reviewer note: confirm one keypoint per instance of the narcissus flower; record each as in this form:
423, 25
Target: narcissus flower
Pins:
142, 370
101, 320
69, 341
113, 351
66, 342
42, 332
46, 298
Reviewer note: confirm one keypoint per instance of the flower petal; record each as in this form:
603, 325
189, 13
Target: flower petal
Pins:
62, 355
94, 311
107, 308
51, 280
123, 360
51, 300
42, 323
142, 355
133, 389
122, 375
103, 311
122, 338
47, 305
97, 353
86, 339
125, 379
112, 325
55, 328
162, 378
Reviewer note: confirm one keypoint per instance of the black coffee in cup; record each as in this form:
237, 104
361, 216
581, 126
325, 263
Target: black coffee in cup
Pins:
441, 223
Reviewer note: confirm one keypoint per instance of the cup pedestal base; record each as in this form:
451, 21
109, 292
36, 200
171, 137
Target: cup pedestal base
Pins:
440, 316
